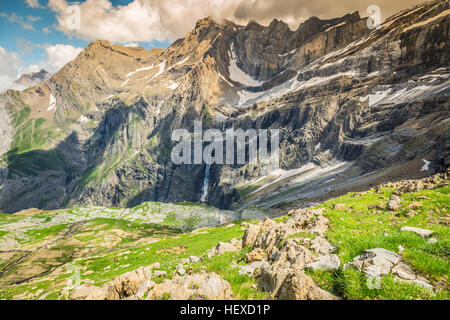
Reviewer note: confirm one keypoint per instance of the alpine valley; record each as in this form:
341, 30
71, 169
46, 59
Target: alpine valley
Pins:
87, 180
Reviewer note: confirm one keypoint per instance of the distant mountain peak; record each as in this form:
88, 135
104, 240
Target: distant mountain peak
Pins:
33, 79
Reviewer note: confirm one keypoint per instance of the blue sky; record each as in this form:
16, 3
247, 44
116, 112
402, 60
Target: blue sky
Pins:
22, 30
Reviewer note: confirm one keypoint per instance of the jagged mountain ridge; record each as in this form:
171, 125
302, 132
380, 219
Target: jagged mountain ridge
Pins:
33, 79
355, 107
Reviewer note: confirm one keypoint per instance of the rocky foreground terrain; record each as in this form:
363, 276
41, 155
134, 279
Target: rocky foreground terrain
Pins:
355, 107
391, 242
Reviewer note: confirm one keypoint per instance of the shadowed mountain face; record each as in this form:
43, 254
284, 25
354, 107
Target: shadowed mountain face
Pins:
355, 107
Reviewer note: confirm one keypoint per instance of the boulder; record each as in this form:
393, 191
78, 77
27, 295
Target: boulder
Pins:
378, 262
128, 283
375, 262
395, 203
424, 233
272, 277
327, 262
250, 235
205, 286
287, 283
406, 273
223, 247
299, 286
261, 236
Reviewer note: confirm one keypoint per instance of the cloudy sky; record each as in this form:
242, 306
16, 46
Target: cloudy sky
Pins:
36, 34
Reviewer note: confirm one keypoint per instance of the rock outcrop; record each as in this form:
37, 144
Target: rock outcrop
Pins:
417, 185
137, 285
395, 203
202, 286
281, 274
421, 232
224, 247
129, 284
378, 262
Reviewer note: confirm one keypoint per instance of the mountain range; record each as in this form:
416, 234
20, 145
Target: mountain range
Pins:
356, 107
33, 79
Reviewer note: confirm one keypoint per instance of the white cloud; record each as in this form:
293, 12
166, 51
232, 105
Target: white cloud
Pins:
26, 23
34, 4
131, 44
139, 21
58, 55
11, 67
147, 20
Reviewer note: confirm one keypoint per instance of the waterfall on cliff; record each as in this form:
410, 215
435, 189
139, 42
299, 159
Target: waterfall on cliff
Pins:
207, 173
205, 183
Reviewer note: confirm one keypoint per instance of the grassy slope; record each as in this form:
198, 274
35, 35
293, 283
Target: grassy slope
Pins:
356, 228
353, 229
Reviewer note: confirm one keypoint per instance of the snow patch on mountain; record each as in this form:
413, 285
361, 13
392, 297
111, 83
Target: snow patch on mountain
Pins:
182, 61
162, 68
376, 97
238, 75
139, 70
52, 103
248, 97
426, 165
173, 85
411, 92
225, 80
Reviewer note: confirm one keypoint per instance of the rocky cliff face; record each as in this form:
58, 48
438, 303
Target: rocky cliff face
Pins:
354, 106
